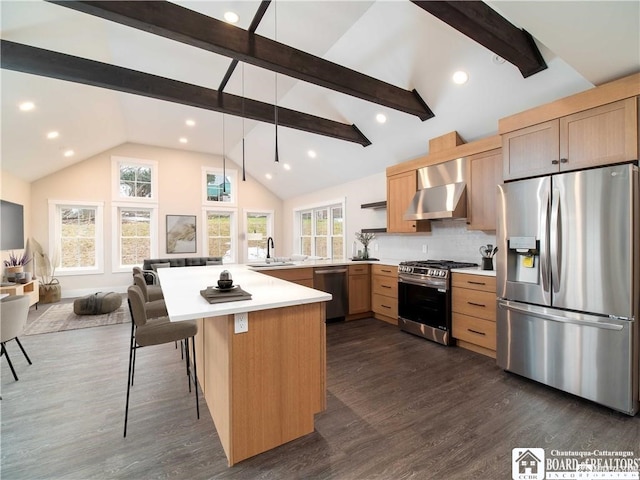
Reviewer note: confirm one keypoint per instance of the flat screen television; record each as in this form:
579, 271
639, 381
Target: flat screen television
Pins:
12, 226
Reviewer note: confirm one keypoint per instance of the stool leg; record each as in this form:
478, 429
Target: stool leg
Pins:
186, 341
6, 354
195, 373
23, 352
129, 377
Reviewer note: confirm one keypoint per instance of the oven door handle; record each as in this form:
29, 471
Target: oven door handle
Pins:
424, 283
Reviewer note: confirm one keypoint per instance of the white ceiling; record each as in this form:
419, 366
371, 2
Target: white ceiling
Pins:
584, 43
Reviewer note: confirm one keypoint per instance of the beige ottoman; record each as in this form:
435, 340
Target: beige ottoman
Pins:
98, 303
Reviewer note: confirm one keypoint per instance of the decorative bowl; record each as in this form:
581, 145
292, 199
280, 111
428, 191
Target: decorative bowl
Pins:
224, 284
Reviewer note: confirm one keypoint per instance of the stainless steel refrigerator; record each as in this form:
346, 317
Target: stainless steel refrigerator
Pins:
568, 283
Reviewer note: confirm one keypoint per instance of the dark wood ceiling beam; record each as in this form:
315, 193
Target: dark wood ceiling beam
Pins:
192, 28
47, 63
484, 25
257, 18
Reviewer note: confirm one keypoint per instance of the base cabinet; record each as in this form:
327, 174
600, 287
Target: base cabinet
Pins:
474, 312
359, 291
384, 293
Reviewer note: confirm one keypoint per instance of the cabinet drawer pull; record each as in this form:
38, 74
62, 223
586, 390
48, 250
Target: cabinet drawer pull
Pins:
554, 162
477, 304
385, 306
477, 332
563, 160
476, 283
385, 286
386, 271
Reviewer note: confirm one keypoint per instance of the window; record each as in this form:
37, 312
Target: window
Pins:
259, 227
134, 179
76, 239
136, 238
321, 231
220, 234
219, 187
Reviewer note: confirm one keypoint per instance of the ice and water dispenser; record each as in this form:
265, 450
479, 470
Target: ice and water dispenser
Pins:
523, 259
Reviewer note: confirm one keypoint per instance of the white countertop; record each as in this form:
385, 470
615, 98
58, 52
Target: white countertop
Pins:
475, 271
181, 288
324, 263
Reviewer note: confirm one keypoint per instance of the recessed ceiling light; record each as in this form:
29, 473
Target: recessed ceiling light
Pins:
183, 140
53, 134
312, 154
381, 118
190, 123
27, 106
231, 17
286, 166
460, 77
269, 176
69, 153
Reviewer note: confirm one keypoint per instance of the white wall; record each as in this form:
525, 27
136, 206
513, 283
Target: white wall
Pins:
180, 192
448, 239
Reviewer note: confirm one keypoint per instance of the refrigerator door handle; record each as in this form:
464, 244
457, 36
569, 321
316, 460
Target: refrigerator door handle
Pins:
555, 239
544, 244
533, 311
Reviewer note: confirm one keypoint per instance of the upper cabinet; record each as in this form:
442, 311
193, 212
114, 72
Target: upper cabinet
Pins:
484, 174
400, 191
598, 136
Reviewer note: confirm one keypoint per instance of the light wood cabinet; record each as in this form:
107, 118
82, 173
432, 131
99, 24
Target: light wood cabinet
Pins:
474, 312
301, 276
400, 191
30, 289
359, 291
384, 296
598, 136
484, 174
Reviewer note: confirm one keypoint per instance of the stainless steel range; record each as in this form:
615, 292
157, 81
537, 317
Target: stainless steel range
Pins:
424, 298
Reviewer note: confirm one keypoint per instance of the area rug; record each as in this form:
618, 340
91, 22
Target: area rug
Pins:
60, 317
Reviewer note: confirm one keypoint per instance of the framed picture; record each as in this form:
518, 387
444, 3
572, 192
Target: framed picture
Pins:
181, 234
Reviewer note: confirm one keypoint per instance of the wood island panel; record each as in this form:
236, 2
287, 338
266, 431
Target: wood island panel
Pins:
264, 386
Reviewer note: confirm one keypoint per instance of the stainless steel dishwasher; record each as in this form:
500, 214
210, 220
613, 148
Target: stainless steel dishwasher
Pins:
333, 280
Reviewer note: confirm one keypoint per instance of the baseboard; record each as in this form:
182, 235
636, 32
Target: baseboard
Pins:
82, 292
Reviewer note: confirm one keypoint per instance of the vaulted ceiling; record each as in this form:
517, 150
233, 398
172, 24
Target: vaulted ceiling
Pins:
398, 43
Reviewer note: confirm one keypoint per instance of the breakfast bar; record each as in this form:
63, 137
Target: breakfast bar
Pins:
264, 385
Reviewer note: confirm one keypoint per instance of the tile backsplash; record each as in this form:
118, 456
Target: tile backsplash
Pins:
448, 240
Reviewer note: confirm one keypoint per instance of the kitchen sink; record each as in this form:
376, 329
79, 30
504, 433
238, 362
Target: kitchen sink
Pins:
270, 264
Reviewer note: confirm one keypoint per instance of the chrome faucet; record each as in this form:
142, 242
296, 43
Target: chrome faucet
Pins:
269, 240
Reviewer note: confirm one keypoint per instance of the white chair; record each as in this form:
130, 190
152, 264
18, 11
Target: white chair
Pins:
13, 317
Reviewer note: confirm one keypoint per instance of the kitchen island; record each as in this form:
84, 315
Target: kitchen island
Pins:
262, 386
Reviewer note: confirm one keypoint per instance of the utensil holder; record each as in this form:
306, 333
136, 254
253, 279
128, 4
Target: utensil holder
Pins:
487, 263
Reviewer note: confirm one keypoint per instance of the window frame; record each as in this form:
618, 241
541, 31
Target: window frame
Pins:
329, 206
270, 226
233, 182
116, 162
55, 234
233, 233
116, 266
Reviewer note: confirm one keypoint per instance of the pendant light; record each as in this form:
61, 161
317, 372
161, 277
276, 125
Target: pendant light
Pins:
244, 176
224, 162
275, 103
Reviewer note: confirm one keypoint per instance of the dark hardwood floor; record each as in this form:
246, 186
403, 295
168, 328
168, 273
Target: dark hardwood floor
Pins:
398, 407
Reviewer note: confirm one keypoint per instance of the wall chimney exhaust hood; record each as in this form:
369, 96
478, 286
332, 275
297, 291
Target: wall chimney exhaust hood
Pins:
442, 192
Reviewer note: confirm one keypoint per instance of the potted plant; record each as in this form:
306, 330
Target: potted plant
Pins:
365, 238
50, 289
15, 264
